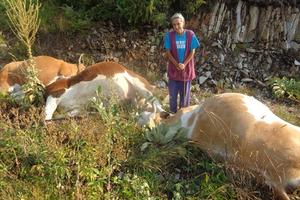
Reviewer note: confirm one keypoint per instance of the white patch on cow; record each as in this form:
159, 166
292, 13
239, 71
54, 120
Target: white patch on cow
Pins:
15, 88
124, 88
55, 79
80, 94
138, 84
185, 117
51, 105
260, 111
16, 91
122, 85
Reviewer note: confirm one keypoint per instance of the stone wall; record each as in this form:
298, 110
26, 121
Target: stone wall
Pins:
272, 24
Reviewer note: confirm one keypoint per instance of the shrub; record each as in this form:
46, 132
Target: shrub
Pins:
284, 87
132, 13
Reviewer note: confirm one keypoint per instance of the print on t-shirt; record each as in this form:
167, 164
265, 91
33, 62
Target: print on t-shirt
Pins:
180, 44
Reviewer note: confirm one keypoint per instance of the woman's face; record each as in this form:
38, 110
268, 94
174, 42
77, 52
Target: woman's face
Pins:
178, 25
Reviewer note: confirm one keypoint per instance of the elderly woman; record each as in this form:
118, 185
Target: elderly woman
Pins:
180, 45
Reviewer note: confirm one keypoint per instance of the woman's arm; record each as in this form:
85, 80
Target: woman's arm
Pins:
172, 59
189, 57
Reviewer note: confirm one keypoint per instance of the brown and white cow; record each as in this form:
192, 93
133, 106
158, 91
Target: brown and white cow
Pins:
240, 129
74, 93
48, 68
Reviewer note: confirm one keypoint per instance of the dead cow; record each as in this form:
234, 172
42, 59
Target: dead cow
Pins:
242, 130
74, 93
48, 68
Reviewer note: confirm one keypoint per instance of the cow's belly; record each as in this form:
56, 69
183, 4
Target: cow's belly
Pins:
81, 94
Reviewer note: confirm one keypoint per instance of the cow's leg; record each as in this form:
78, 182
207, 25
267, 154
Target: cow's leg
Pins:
51, 105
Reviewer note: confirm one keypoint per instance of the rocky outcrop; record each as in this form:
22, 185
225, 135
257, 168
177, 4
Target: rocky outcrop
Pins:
273, 24
247, 42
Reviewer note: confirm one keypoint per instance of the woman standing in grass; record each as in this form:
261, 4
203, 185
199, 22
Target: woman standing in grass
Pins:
180, 45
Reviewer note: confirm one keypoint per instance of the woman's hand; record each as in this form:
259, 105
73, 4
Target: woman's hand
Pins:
181, 66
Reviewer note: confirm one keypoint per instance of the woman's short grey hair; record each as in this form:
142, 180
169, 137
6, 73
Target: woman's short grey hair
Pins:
177, 16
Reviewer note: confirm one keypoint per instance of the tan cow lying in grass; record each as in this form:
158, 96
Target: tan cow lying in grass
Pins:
242, 130
75, 93
49, 69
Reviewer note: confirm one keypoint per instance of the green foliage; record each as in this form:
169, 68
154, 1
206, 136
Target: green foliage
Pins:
24, 20
3, 46
24, 23
131, 186
99, 157
284, 87
67, 15
165, 135
193, 6
77, 15
141, 12
63, 18
188, 8
76, 20
33, 91
283, 112
205, 180
3, 17
103, 11
18, 51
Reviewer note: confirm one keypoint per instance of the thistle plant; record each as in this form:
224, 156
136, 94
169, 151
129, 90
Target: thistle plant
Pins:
165, 135
24, 23
24, 20
163, 144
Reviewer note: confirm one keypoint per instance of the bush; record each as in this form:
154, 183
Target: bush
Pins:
3, 18
131, 13
284, 87
68, 15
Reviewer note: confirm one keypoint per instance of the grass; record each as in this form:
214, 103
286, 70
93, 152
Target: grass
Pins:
99, 156
286, 112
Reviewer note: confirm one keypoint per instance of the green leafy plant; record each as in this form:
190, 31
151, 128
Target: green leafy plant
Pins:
24, 22
165, 135
163, 144
284, 87
131, 187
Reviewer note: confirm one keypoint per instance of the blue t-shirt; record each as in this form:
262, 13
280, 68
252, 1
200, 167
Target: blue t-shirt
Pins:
180, 44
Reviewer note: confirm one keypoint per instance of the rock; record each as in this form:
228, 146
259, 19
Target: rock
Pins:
208, 74
117, 54
152, 49
247, 80
261, 83
202, 79
245, 72
161, 84
123, 40
251, 50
